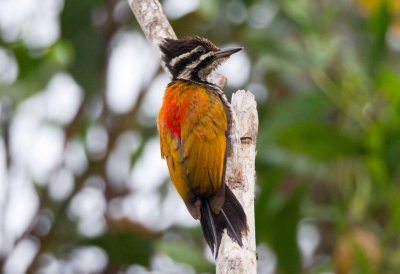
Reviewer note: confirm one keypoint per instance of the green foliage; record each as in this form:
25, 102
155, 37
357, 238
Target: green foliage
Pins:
318, 141
284, 232
124, 248
379, 24
185, 253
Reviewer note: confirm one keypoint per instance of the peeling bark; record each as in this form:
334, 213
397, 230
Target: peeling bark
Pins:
240, 177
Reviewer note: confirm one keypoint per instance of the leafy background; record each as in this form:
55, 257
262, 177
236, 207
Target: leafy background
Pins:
83, 189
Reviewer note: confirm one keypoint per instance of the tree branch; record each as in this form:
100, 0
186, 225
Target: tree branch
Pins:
240, 177
240, 172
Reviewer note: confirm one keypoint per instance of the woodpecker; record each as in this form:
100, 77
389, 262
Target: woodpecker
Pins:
195, 124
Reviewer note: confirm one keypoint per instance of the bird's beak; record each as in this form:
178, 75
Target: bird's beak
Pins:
227, 52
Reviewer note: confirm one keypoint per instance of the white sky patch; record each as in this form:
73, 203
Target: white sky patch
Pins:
143, 207
3, 170
21, 206
63, 98
61, 185
266, 259
148, 208
8, 67
176, 8
150, 170
153, 98
161, 263
132, 64
88, 203
236, 68
145, 204
117, 168
21, 257
75, 157
96, 141
90, 259
119, 162
46, 151
174, 211
34, 144
308, 239
393, 38
88, 207
36, 21
3, 192
259, 91
262, 14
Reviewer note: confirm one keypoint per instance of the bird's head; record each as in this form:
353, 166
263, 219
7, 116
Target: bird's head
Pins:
193, 58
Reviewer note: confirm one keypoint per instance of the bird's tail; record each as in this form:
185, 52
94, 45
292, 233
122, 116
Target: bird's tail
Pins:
231, 217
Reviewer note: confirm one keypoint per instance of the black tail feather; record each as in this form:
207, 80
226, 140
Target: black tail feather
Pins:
231, 217
232, 229
209, 225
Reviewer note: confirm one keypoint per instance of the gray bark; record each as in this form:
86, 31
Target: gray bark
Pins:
240, 176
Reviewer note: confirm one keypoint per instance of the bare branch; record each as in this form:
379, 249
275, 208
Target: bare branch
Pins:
152, 20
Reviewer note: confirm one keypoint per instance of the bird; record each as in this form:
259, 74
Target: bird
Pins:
194, 125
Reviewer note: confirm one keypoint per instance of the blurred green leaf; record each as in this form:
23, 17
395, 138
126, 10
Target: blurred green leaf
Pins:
267, 201
185, 252
36, 68
291, 111
136, 155
392, 153
284, 234
79, 31
388, 82
318, 141
124, 248
62, 53
299, 11
379, 24
208, 9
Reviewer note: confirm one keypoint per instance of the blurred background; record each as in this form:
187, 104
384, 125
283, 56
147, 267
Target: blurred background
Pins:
82, 185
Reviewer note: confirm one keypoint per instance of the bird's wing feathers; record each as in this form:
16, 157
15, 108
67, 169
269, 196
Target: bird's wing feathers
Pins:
204, 147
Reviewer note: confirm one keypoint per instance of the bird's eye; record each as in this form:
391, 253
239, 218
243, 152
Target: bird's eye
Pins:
201, 50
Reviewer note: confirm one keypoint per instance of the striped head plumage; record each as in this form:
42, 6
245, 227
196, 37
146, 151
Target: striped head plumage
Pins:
193, 58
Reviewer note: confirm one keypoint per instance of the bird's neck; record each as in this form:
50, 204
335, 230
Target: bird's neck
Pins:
194, 80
